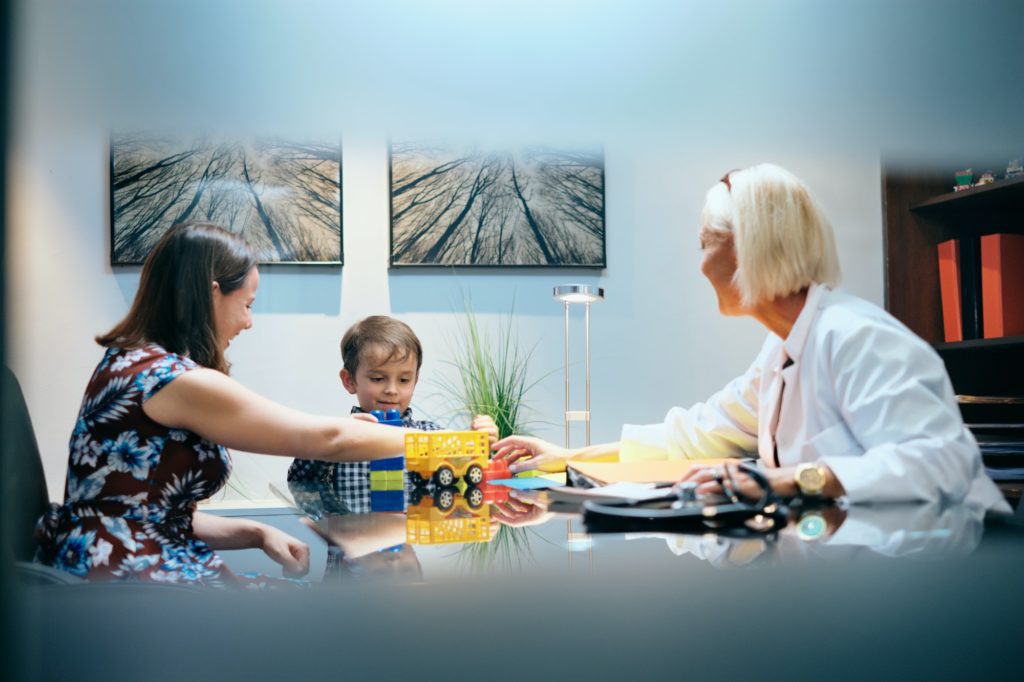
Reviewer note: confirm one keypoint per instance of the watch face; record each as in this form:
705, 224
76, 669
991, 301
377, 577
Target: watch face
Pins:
811, 527
811, 479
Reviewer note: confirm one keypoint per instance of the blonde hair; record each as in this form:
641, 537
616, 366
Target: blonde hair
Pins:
783, 241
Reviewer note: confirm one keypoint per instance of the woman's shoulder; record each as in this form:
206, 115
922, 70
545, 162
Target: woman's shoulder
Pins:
845, 320
144, 359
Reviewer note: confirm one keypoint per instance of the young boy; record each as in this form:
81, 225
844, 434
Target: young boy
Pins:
382, 358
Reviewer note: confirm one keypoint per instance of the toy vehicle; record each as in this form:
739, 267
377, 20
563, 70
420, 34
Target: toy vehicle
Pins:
445, 456
447, 517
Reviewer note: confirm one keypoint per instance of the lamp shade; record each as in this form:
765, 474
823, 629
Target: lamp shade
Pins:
579, 293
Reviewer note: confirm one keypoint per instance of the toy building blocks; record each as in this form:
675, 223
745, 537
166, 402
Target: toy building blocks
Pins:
496, 470
387, 500
444, 456
391, 418
387, 476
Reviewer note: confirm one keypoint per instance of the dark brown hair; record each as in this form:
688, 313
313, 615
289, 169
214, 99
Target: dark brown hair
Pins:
174, 304
395, 339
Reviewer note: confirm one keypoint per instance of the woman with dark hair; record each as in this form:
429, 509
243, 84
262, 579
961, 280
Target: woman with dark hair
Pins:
158, 414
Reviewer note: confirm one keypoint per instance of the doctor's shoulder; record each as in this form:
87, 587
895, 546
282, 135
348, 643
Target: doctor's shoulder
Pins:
850, 328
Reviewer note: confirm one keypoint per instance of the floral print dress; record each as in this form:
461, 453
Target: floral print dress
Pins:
133, 484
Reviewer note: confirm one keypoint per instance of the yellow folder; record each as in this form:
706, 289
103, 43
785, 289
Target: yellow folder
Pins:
644, 471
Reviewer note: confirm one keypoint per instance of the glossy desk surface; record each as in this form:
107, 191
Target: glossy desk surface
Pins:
910, 591
524, 535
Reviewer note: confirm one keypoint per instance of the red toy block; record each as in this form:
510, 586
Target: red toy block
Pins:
494, 494
496, 471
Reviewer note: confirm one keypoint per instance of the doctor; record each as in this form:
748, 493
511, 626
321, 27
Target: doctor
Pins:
842, 400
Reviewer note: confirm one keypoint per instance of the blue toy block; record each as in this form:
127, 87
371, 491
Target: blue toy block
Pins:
391, 418
387, 500
390, 464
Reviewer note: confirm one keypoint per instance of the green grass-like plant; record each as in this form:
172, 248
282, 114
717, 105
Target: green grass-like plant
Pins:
492, 377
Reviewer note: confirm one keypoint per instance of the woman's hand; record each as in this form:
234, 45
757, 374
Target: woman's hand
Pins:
484, 422
291, 553
524, 453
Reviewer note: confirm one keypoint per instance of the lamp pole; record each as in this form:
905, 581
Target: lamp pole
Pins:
570, 294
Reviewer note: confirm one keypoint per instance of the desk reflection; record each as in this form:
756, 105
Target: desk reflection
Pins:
834, 533
487, 529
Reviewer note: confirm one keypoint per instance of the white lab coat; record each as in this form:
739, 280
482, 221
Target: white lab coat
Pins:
863, 395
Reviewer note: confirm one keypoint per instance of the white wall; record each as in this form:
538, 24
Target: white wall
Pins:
643, 79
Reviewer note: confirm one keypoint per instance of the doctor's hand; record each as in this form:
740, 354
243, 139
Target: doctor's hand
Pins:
730, 480
517, 512
525, 453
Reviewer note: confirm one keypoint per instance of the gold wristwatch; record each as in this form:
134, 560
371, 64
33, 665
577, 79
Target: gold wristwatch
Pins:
810, 478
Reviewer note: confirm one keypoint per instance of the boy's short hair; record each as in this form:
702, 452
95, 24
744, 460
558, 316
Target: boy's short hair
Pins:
394, 338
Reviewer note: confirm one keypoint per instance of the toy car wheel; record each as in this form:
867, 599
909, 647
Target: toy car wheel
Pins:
444, 476
444, 499
474, 498
416, 478
474, 474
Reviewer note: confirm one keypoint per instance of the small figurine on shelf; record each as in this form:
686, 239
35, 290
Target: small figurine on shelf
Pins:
1014, 168
964, 180
987, 178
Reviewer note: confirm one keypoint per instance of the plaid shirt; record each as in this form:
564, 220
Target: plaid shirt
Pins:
350, 481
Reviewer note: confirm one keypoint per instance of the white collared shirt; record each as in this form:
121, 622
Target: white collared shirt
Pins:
863, 395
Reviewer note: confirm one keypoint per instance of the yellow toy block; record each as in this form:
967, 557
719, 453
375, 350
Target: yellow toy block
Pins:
385, 480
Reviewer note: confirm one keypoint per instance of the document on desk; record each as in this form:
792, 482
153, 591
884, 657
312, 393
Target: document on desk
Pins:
644, 471
616, 492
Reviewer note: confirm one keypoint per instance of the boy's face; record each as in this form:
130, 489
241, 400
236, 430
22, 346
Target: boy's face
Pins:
380, 382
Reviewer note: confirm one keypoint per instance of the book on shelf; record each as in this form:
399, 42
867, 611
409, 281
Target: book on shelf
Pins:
990, 399
970, 287
949, 289
960, 288
1002, 285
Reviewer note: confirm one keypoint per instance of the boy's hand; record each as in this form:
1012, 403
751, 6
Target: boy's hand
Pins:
365, 417
483, 422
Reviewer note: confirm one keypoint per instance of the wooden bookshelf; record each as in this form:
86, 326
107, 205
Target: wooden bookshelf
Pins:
919, 211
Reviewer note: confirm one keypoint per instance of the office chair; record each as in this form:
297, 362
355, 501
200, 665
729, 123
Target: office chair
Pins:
23, 487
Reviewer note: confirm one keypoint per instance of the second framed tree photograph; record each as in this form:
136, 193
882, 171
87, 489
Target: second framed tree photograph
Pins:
471, 206
282, 196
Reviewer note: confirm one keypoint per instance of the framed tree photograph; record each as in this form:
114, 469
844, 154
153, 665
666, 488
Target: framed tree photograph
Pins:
282, 196
466, 206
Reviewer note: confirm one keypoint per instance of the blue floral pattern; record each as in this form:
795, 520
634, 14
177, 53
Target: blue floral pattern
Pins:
132, 484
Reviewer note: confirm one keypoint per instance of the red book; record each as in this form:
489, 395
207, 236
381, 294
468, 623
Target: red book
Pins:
1002, 285
949, 288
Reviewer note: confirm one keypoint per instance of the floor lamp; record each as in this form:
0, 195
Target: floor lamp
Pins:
571, 294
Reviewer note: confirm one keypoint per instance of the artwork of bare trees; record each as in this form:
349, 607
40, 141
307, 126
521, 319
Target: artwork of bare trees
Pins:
283, 197
530, 207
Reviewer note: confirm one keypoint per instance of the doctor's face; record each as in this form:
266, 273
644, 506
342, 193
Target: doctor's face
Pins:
718, 264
